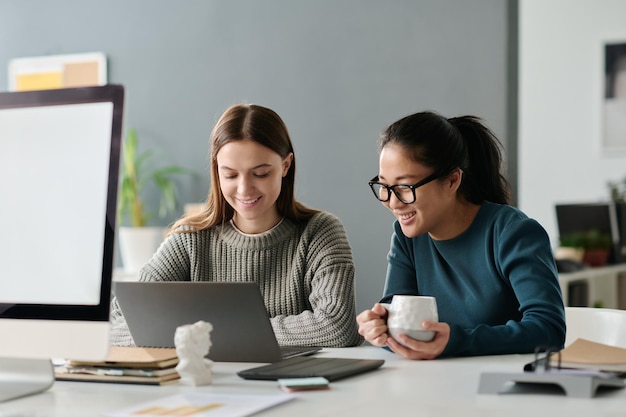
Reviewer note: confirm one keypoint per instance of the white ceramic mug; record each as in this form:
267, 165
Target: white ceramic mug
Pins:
406, 314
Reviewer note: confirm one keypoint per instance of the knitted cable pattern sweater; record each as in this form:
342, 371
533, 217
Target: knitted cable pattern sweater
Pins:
305, 273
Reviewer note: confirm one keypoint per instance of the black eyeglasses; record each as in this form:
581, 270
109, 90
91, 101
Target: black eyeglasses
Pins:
404, 192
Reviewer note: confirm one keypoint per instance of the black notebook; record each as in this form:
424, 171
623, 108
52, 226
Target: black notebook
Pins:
304, 367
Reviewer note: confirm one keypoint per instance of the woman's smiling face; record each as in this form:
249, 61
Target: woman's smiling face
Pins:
250, 178
427, 214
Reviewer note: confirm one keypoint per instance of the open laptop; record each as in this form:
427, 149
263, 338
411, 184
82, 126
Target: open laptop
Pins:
242, 331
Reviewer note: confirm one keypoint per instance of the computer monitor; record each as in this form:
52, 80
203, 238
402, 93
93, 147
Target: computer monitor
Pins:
59, 165
620, 230
605, 217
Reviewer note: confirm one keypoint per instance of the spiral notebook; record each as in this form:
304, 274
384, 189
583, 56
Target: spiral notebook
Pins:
242, 331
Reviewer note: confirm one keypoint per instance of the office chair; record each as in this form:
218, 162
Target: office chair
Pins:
601, 325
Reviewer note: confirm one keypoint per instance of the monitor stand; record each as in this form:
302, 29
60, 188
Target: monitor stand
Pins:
20, 377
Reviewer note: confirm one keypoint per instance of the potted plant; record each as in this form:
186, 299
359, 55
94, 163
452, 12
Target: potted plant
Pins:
595, 245
617, 190
138, 242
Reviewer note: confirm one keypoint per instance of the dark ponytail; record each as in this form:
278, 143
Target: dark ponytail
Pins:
484, 179
445, 144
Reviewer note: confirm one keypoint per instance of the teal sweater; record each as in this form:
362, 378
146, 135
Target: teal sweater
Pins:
496, 284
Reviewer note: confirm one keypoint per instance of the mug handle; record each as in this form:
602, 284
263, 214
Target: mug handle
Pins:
387, 307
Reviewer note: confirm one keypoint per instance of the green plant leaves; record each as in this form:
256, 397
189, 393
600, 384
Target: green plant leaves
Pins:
137, 172
590, 239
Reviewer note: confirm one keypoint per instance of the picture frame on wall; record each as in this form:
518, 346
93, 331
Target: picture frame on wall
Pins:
614, 103
57, 71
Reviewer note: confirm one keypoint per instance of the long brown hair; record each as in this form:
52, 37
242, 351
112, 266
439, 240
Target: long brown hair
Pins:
263, 126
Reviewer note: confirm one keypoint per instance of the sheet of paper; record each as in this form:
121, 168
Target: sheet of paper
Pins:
203, 405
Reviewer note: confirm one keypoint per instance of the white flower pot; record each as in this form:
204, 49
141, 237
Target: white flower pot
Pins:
566, 252
137, 245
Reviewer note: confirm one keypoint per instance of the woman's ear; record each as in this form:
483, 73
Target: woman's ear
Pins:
287, 163
455, 178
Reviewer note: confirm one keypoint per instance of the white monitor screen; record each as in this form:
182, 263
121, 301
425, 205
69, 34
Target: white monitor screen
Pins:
59, 163
52, 162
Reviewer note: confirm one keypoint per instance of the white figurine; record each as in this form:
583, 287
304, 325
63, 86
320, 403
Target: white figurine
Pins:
193, 342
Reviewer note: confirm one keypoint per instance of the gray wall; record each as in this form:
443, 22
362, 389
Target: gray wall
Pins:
337, 71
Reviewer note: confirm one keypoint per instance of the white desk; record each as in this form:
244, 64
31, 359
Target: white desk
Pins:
444, 387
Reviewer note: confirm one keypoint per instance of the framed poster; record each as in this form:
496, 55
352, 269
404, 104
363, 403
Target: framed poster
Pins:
614, 105
57, 71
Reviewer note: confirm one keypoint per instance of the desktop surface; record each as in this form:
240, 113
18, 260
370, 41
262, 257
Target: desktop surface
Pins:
443, 387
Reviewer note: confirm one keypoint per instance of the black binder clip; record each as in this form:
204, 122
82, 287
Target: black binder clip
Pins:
543, 364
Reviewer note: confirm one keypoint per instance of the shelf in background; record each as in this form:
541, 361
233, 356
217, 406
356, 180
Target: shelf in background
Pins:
595, 287
120, 274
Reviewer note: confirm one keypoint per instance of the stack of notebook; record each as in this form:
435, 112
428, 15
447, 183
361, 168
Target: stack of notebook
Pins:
133, 365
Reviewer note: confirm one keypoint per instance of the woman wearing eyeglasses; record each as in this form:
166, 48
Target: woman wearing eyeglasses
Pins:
489, 266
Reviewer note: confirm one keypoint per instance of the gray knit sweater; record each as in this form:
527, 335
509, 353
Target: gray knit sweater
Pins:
305, 273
